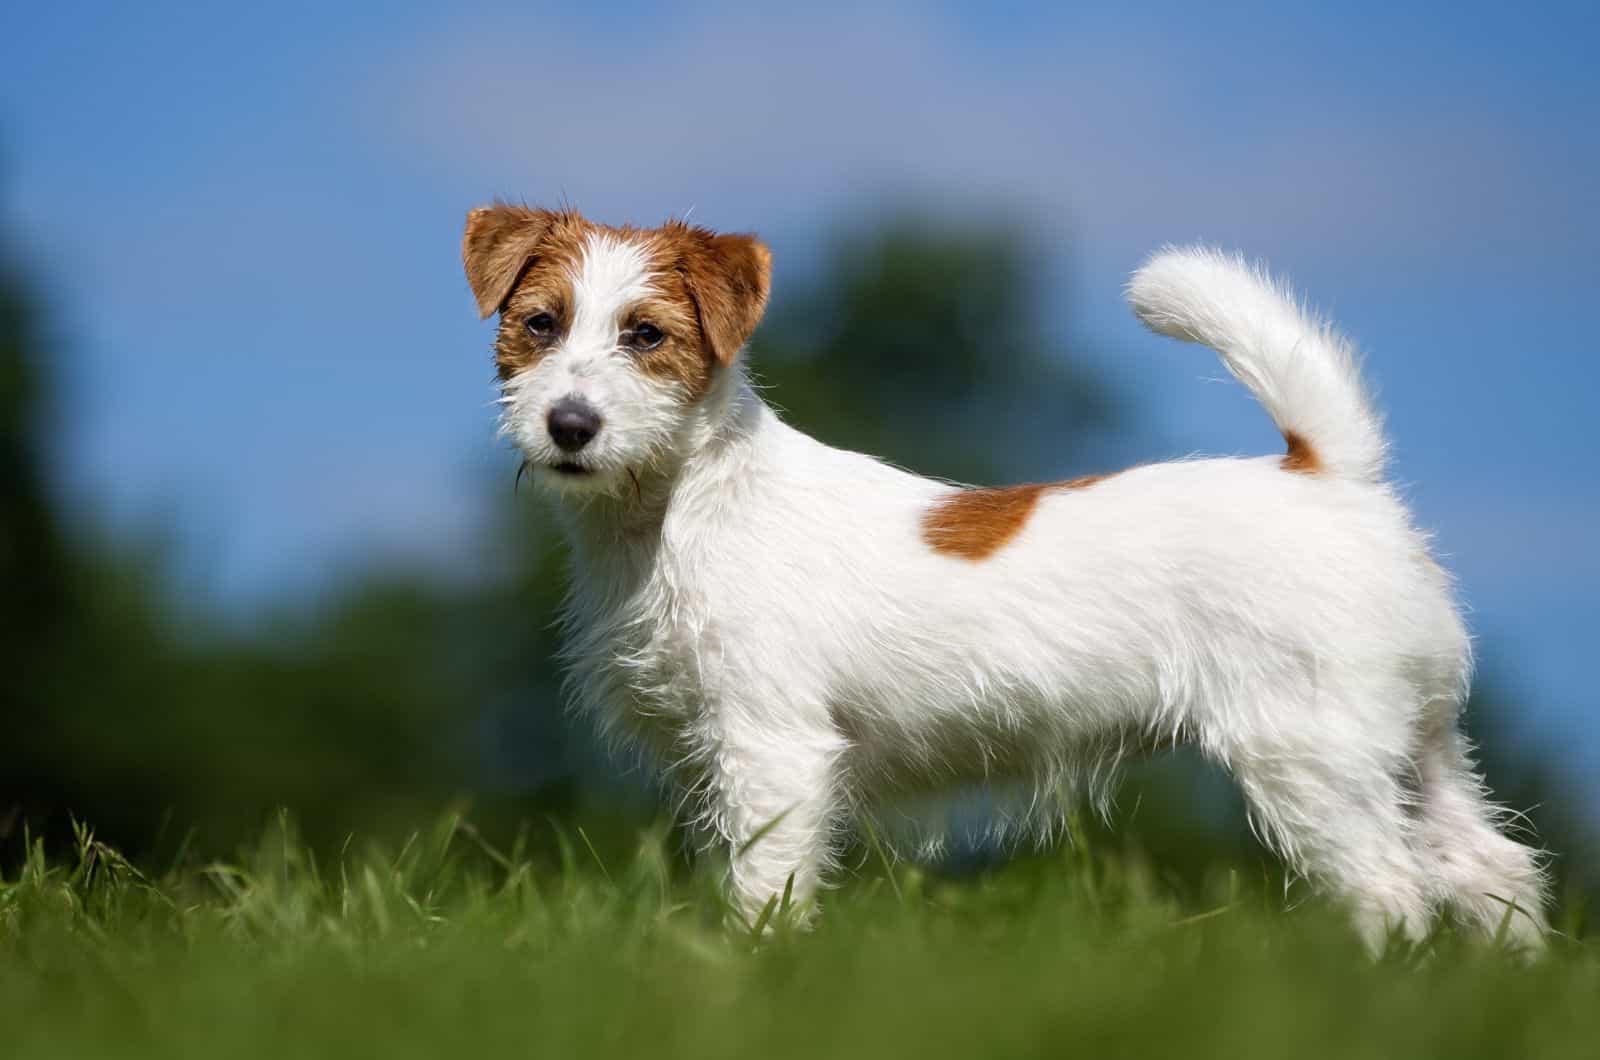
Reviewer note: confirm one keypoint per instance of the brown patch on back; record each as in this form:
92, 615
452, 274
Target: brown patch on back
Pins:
1301, 458
974, 524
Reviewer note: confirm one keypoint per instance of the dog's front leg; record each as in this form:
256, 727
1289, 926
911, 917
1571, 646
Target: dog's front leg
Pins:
776, 780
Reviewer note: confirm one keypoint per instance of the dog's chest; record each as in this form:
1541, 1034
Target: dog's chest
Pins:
639, 654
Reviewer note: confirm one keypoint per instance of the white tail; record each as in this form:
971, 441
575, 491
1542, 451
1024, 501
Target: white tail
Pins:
1302, 371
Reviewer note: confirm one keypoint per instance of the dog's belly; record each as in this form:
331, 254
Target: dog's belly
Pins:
955, 716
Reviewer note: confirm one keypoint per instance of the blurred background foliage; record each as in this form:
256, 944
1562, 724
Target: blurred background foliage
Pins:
165, 726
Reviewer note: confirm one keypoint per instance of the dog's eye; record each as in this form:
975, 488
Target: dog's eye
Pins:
541, 325
645, 336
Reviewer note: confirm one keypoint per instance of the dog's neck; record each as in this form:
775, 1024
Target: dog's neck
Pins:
718, 443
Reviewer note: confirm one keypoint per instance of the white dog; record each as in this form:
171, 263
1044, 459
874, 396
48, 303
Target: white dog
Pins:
801, 634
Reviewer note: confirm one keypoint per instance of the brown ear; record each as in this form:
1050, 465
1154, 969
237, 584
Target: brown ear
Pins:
728, 277
499, 242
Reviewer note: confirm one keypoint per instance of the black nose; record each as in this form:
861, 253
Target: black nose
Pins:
573, 423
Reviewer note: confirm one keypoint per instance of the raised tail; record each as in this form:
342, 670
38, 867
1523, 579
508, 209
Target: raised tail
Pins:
1296, 365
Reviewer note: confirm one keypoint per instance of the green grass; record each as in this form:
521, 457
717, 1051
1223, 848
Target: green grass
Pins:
450, 947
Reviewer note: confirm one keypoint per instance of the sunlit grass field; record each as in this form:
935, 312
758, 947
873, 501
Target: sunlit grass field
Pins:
449, 945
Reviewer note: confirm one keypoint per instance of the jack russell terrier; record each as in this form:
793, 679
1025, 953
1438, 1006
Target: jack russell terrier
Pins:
800, 634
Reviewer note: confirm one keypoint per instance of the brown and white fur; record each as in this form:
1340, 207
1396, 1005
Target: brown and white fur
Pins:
801, 634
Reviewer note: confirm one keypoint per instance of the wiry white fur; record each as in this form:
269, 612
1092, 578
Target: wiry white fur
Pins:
764, 615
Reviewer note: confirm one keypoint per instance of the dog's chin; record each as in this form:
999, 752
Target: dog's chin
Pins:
573, 478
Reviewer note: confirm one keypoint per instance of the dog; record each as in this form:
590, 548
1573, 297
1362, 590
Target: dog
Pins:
802, 635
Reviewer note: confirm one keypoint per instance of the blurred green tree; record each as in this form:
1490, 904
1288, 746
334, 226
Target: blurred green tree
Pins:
926, 341
35, 610
118, 705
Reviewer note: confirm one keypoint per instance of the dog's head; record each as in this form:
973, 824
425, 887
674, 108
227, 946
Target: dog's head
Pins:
610, 338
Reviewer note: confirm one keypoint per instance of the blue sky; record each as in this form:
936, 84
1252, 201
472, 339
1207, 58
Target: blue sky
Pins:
247, 220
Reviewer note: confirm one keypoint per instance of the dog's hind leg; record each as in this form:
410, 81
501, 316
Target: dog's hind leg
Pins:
1328, 798
1489, 878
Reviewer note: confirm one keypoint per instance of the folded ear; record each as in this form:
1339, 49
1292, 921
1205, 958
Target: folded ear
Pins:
499, 243
728, 277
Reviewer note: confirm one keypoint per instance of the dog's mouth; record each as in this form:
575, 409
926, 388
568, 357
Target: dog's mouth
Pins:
571, 469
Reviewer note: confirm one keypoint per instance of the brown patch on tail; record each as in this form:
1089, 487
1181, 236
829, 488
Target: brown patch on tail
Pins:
1301, 458
974, 524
